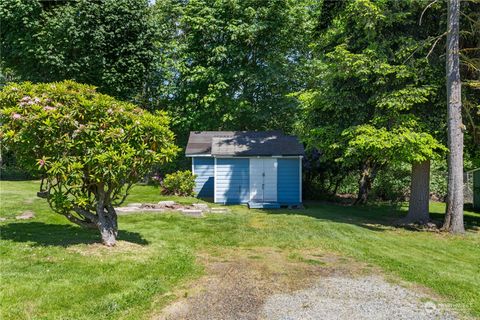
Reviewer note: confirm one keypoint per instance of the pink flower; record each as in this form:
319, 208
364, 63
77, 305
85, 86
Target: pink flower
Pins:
41, 162
48, 108
16, 116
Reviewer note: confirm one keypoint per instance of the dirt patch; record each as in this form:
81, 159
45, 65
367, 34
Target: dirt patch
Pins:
125, 248
238, 282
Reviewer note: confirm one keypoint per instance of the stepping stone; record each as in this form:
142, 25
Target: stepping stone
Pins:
26, 215
135, 210
127, 209
201, 206
154, 209
150, 206
166, 203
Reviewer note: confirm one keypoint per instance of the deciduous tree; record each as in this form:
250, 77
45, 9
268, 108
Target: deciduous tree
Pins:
376, 92
108, 43
231, 64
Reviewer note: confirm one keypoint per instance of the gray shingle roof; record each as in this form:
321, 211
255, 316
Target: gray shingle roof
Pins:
243, 143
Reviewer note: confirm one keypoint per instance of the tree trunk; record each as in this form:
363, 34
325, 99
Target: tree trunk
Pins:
107, 223
454, 212
419, 193
107, 226
365, 182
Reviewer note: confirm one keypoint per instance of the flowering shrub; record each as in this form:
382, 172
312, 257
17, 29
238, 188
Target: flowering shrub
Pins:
90, 147
180, 183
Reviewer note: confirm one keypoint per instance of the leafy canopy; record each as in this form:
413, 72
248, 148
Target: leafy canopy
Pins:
108, 43
87, 145
377, 97
231, 64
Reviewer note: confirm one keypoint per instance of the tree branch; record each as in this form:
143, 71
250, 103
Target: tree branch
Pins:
118, 203
435, 43
82, 223
424, 10
85, 213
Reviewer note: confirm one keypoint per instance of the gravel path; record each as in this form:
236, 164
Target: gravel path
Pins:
265, 284
368, 297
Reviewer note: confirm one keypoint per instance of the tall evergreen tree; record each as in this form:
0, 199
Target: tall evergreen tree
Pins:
454, 214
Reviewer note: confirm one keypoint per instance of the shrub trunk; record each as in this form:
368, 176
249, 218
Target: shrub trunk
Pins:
107, 220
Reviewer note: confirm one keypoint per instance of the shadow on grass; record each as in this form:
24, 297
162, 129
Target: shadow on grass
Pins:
63, 235
375, 217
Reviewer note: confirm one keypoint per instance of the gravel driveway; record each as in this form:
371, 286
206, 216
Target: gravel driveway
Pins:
267, 284
367, 297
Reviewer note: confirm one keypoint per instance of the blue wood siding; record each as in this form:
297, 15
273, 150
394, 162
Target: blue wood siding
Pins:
203, 168
288, 181
232, 181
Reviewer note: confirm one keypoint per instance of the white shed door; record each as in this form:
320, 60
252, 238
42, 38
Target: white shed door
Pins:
263, 179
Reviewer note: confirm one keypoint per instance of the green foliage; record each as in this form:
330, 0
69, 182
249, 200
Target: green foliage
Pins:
89, 146
397, 145
231, 64
11, 170
470, 74
438, 179
108, 44
377, 99
180, 183
393, 183
361, 80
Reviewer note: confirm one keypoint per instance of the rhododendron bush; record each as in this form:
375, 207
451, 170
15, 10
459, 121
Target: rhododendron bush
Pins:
89, 147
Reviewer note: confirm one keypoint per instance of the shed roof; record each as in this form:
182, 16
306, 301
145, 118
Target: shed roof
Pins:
243, 144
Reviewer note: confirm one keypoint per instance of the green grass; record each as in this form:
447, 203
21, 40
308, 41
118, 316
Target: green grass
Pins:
50, 269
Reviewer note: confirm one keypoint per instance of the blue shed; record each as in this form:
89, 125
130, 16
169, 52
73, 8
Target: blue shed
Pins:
263, 169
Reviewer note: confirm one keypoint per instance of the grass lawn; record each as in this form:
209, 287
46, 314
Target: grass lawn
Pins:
51, 269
